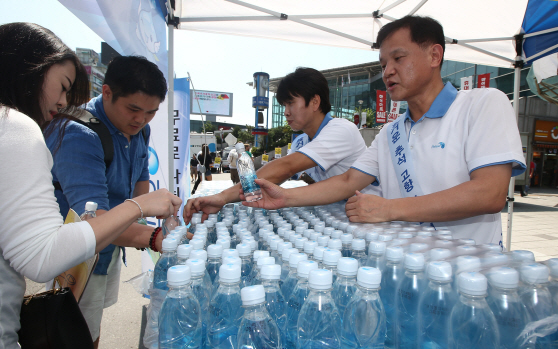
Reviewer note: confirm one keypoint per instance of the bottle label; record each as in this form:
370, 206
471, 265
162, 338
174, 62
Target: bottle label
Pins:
248, 184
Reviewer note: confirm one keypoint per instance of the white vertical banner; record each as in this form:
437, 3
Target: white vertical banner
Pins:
394, 110
181, 139
466, 83
362, 119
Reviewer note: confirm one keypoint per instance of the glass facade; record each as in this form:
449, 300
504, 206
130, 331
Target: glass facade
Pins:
344, 97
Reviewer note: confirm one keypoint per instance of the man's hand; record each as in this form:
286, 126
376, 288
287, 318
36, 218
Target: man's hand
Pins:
366, 208
205, 204
273, 196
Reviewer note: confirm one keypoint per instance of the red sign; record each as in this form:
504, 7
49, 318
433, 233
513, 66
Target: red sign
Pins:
356, 119
484, 80
381, 107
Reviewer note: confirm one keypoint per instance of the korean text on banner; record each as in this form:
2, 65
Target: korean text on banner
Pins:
181, 138
277, 153
381, 107
394, 111
265, 159
466, 83
484, 81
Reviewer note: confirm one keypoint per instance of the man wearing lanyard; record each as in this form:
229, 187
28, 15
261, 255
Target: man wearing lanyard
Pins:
132, 91
447, 161
327, 148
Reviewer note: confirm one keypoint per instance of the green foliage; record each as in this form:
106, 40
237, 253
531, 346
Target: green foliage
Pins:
245, 136
236, 131
209, 127
370, 117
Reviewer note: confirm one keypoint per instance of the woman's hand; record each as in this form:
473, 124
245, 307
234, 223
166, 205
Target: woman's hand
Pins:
160, 204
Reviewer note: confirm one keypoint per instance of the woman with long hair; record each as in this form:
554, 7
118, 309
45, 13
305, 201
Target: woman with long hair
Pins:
42, 77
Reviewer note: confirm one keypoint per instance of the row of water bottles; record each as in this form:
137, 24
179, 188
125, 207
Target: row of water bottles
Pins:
331, 284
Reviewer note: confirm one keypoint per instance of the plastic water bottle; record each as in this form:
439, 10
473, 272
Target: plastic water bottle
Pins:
503, 299
183, 253
309, 247
257, 255
537, 299
465, 264
274, 300
247, 174
290, 282
358, 247
364, 320
244, 251
435, 306
261, 262
214, 253
202, 293
225, 310
472, 323
391, 276
376, 255
345, 286
296, 301
168, 259
346, 249
330, 259
257, 328
408, 295
90, 211
553, 284
202, 254
318, 255
319, 324
180, 324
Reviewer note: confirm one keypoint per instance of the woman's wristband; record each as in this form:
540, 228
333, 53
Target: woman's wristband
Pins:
153, 238
135, 202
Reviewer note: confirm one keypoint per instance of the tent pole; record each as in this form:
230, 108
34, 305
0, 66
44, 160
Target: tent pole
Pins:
170, 99
516, 84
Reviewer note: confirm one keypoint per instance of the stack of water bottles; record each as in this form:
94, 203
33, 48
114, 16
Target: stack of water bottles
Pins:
308, 278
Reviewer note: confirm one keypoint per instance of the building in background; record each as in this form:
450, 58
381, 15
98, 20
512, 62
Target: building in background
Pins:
95, 70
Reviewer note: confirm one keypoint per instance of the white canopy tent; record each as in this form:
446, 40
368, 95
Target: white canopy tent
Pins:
482, 32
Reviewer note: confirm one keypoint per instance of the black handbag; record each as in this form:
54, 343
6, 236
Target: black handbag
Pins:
52, 319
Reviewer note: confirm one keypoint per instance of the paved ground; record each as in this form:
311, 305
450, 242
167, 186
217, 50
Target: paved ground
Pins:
535, 228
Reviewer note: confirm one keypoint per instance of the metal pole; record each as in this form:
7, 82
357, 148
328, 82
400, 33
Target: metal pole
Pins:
516, 83
170, 126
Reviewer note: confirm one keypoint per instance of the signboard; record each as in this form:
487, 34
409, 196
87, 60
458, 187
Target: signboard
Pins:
363, 119
484, 81
277, 153
211, 103
381, 107
546, 131
466, 83
265, 159
230, 139
356, 119
394, 111
217, 162
289, 146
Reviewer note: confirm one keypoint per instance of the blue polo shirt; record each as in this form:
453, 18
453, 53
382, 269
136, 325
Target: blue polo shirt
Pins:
80, 169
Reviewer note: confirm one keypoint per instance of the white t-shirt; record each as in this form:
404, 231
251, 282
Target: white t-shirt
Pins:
335, 147
478, 130
232, 158
33, 241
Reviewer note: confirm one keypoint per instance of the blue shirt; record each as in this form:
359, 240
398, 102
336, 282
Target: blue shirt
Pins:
80, 169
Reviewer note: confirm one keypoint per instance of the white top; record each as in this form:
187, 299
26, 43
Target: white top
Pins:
232, 158
33, 241
478, 130
334, 148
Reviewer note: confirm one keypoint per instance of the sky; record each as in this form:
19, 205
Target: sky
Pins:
215, 62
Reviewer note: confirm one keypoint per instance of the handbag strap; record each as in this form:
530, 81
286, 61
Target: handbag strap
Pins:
54, 290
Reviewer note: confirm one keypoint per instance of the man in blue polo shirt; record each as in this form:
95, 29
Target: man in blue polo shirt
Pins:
330, 146
132, 91
446, 162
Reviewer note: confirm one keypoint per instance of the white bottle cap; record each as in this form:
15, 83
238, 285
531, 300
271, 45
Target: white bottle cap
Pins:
229, 273
347, 266
318, 253
472, 283
314, 236
226, 243
346, 238
414, 261
197, 266
465, 250
377, 247
309, 246
260, 253
335, 244
265, 261
351, 228
552, 264
183, 251
229, 252
274, 242
336, 234
358, 244
493, 259
429, 229
282, 246
369, 277
239, 148
294, 258
243, 250
534, 273
443, 244
322, 240
523, 256
469, 242
199, 254
343, 226
503, 277
467, 263
214, 251
424, 233
394, 253
437, 254
439, 271
331, 256
299, 243
308, 232
335, 223
252, 295
90, 206
178, 275
232, 260
385, 237
304, 267
328, 231
169, 245
271, 272
320, 279
418, 247
443, 232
